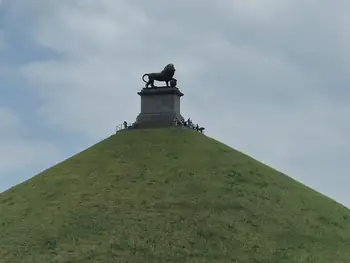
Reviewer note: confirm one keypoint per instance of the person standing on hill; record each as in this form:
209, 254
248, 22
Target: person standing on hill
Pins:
189, 122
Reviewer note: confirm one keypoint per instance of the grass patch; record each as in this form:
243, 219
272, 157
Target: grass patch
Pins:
168, 196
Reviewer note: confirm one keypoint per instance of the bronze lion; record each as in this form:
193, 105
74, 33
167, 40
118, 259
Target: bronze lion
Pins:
165, 75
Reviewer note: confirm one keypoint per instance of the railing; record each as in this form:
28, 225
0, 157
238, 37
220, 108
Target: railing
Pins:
125, 126
119, 127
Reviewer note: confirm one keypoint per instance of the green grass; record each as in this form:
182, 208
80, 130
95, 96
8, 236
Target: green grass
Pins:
168, 196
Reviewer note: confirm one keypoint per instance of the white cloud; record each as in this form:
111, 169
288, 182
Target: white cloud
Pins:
261, 13
22, 155
8, 119
90, 28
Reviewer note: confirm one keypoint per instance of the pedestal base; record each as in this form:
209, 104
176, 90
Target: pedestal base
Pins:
157, 120
159, 107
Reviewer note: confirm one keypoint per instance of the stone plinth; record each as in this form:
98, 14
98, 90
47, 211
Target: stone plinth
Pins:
159, 107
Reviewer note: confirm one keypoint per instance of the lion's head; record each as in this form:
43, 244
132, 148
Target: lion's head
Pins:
169, 69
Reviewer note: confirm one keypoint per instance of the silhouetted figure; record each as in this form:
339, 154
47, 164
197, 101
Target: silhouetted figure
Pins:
181, 122
125, 124
178, 122
197, 127
189, 123
201, 129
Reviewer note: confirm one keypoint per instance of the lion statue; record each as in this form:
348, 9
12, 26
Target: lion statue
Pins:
165, 75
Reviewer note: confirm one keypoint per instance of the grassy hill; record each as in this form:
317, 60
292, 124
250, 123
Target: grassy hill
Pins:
168, 196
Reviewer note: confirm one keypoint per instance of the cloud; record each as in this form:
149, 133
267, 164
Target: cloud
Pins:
2, 39
22, 158
22, 154
269, 78
9, 120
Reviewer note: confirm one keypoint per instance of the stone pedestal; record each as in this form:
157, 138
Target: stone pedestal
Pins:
159, 107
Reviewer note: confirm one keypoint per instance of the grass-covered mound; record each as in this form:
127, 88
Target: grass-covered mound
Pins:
168, 196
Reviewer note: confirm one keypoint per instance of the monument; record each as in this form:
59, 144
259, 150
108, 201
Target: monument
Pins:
160, 106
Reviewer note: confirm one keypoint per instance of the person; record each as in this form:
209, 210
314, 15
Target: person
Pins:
125, 124
197, 127
175, 121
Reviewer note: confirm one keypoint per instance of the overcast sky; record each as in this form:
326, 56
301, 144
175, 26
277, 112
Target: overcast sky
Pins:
267, 77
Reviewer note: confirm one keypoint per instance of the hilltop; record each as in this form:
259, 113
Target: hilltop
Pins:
168, 195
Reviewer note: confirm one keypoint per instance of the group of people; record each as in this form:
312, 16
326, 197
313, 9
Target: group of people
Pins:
177, 122
188, 124
126, 126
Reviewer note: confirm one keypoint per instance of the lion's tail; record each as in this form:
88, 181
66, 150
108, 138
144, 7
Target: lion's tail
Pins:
143, 77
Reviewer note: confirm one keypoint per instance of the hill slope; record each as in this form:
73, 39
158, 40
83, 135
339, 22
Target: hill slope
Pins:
168, 196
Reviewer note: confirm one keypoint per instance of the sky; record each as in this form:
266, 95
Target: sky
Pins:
269, 78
